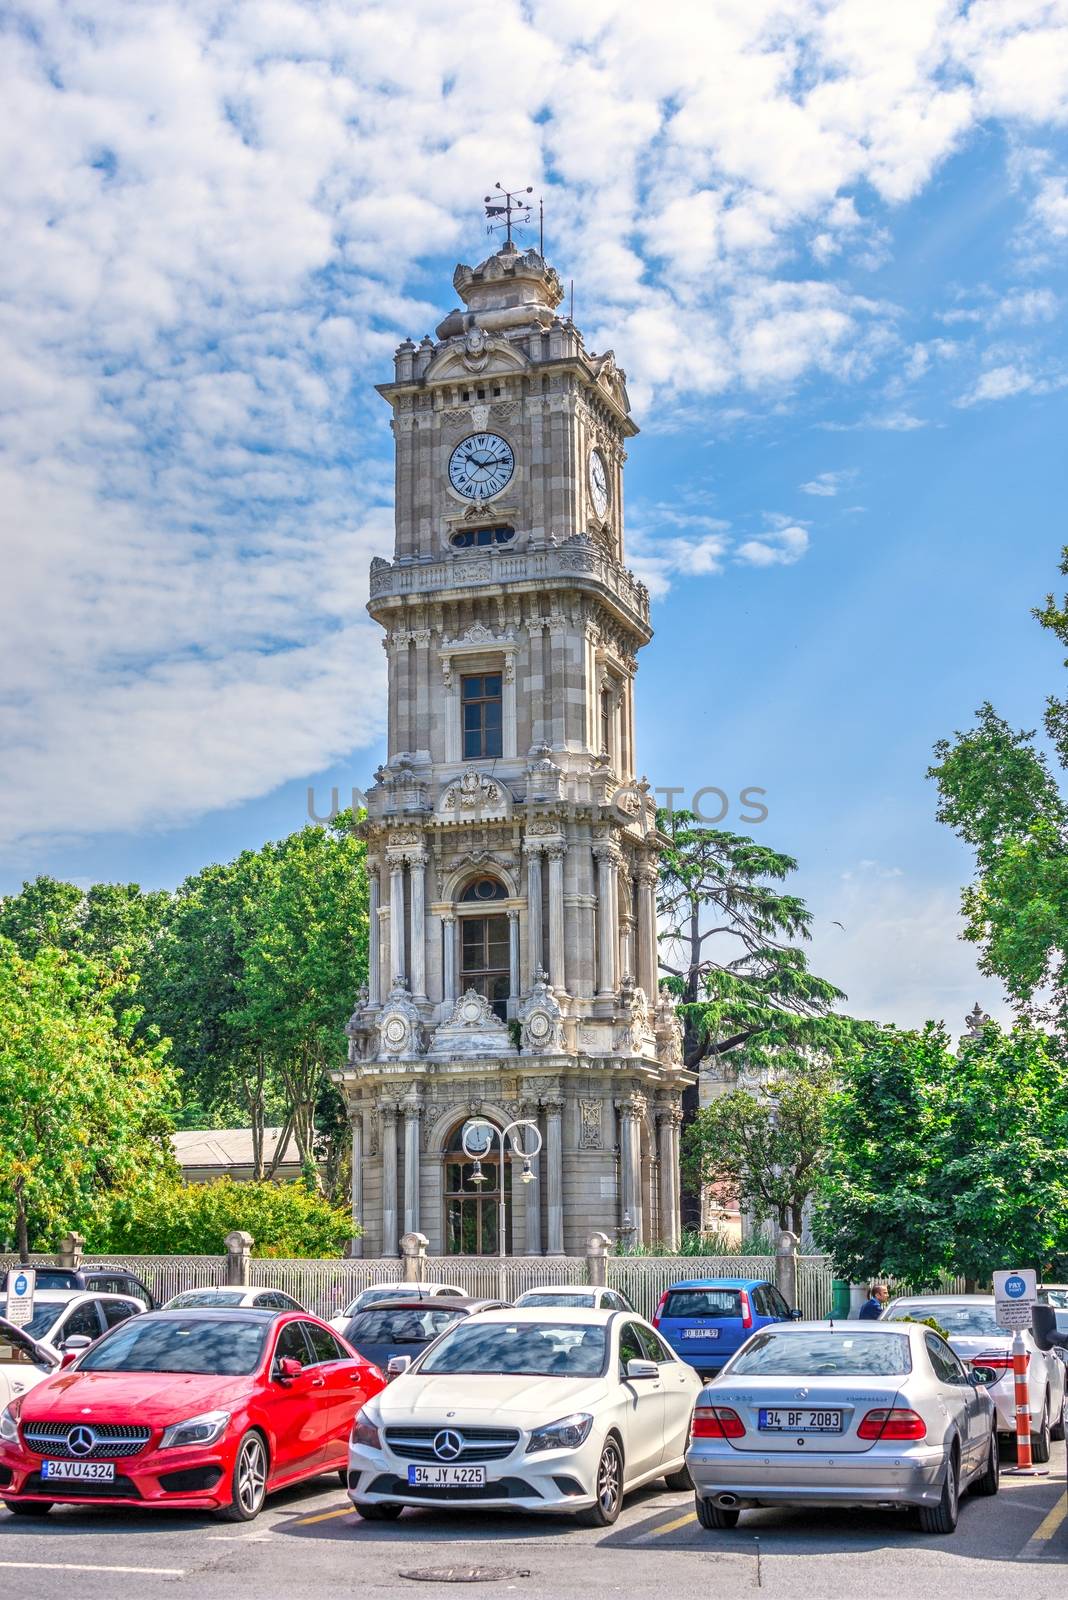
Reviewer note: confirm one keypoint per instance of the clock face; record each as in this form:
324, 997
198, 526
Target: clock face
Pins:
598, 482
481, 466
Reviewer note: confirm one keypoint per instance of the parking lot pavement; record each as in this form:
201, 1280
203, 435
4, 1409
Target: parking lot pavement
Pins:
308, 1542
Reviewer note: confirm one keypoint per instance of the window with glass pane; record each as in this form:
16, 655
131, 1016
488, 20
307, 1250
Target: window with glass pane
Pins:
480, 700
484, 960
472, 1210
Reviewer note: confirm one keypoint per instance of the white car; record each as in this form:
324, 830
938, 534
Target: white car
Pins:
23, 1362
390, 1291
531, 1410
575, 1297
82, 1315
206, 1299
971, 1327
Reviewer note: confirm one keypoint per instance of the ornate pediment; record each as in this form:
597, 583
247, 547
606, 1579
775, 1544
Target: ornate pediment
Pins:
474, 797
473, 1029
476, 354
399, 1026
542, 1021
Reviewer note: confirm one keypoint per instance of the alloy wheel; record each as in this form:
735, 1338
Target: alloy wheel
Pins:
608, 1481
251, 1474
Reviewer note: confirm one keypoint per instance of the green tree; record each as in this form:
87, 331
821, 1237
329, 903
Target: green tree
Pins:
998, 792
765, 1147
85, 1106
728, 940
285, 1220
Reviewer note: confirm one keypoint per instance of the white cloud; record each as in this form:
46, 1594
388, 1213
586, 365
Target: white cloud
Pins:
828, 484
217, 224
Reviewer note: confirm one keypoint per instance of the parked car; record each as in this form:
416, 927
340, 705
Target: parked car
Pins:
970, 1323
209, 1409
72, 1319
106, 1280
530, 1409
1056, 1295
23, 1362
853, 1413
393, 1333
263, 1299
705, 1320
391, 1291
576, 1296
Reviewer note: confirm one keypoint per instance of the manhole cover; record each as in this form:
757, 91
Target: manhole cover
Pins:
465, 1574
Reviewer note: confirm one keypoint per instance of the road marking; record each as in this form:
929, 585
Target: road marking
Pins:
670, 1527
1049, 1525
83, 1566
324, 1516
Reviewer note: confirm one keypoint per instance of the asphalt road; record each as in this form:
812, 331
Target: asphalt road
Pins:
311, 1543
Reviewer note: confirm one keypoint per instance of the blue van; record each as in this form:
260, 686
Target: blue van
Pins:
705, 1320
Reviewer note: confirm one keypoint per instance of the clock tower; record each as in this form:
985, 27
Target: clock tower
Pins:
511, 849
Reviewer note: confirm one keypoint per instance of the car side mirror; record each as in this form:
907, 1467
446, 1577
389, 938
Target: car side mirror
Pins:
396, 1366
983, 1377
75, 1344
797, 1316
1043, 1325
637, 1370
286, 1369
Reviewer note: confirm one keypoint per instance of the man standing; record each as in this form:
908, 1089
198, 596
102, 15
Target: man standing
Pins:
872, 1309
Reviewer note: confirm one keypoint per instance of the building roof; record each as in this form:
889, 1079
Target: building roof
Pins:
227, 1147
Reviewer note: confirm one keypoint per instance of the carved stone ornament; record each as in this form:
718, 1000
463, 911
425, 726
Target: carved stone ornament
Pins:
476, 348
589, 1124
669, 1029
541, 1020
474, 797
372, 1132
631, 1031
399, 1026
473, 1029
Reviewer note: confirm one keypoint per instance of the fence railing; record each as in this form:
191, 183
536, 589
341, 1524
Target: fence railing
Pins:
326, 1287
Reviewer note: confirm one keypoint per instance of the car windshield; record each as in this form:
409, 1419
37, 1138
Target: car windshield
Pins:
204, 1297
702, 1303
542, 1349
403, 1326
43, 1318
1058, 1298
231, 1347
959, 1319
818, 1354
554, 1297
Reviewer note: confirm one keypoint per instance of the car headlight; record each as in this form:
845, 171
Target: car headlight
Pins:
204, 1429
9, 1423
567, 1434
365, 1431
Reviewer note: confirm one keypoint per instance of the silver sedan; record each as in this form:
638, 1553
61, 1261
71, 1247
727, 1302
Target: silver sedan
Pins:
850, 1413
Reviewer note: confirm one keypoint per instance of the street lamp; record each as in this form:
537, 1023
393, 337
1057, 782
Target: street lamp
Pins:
477, 1138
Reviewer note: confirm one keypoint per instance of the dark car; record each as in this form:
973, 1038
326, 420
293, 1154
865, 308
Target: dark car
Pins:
705, 1320
104, 1279
406, 1327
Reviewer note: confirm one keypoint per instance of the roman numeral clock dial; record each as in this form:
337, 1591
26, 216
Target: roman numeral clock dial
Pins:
481, 466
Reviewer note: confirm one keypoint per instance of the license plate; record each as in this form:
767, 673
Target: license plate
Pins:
700, 1333
446, 1477
800, 1421
88, 1471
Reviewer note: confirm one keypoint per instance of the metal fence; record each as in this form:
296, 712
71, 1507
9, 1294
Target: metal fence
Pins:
326, 1287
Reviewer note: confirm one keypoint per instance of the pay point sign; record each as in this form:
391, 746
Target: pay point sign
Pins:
1015, 1293
20, 1287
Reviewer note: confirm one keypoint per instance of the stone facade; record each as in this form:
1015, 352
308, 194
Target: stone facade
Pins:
512, 850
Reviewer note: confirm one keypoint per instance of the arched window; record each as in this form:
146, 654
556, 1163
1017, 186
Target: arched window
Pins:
471, 538
484, 889
472, 1210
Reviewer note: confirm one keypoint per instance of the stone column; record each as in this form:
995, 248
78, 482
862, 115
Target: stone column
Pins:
387, 1120
554, 1168
448, 986
417, 872
626, 948
374, 951
397, 963
669, 1219
413, 1112
534, 912
356, 1186
557, 966
514, 979
647, 962
532, 1191
607, 861
630, 1198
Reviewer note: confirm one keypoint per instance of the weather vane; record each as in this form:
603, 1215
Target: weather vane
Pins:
511, 206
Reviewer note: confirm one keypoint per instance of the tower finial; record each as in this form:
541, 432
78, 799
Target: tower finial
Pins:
512, 204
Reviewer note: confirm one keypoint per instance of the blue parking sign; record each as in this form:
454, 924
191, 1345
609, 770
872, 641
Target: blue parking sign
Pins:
1015, 1287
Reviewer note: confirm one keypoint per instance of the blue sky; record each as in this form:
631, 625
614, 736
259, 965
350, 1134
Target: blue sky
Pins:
827, 240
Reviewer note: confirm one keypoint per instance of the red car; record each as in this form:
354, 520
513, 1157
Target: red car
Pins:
198, 1409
